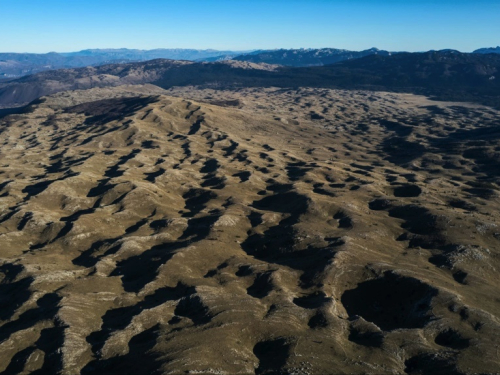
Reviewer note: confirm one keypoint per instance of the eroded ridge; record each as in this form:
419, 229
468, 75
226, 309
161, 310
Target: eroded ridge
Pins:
254, 231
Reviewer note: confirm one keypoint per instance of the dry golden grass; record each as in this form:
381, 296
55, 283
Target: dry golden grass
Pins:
255, 231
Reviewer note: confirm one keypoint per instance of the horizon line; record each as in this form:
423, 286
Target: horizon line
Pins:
242, 51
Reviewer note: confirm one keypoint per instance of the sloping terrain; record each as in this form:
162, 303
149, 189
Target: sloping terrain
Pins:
448, 70
307, 57
13, 65
447, 75
253, 231
169, 72
488, 50
29, 88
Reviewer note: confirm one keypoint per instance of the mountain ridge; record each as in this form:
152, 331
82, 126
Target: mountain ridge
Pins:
446, 75
488, 50
307, 57
14, 65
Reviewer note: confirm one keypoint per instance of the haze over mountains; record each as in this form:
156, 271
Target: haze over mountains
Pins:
488, 50
312, 211
14, 65
449, 75
307, 57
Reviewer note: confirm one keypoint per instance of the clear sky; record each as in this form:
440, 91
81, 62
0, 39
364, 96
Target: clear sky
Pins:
411, 25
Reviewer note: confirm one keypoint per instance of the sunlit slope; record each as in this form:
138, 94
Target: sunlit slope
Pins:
255, 231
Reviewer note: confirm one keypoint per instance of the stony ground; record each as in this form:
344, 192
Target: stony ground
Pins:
262, 231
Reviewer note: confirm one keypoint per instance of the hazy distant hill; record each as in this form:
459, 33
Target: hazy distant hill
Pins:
159, 53
28, 88
449, 75
429, 69
14, 65
307, 57
488, 50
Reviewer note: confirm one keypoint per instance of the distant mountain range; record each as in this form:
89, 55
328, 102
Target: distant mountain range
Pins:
447, 75
308, 57
488, 50
160, 53
15, 65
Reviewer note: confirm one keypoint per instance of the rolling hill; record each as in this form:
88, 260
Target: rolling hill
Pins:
251, 231
14, 65
446, 75
488, 50
307, 57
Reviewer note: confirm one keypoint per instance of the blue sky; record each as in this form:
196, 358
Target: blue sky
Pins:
70, 25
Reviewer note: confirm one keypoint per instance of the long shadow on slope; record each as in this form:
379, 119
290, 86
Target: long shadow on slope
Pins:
13, 295
277, 243
87, 257
50, 341
478, 144
39, 187
297, 170
102, 131
261, 286
104, 185
192, 307
424, 229
18, 361
229, 150
139, 270
151, 177
391, 302
101, 188
210, 168
196, 199
114, 171
432, 364
11, 111
103, 248
140, 359
401, 130
65, 163
272, 355
451, 338
279, 239
8, 215
69, 223
47, 309
399, 151
195, 127
103, 111
4, 184
118, 319
10, 271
